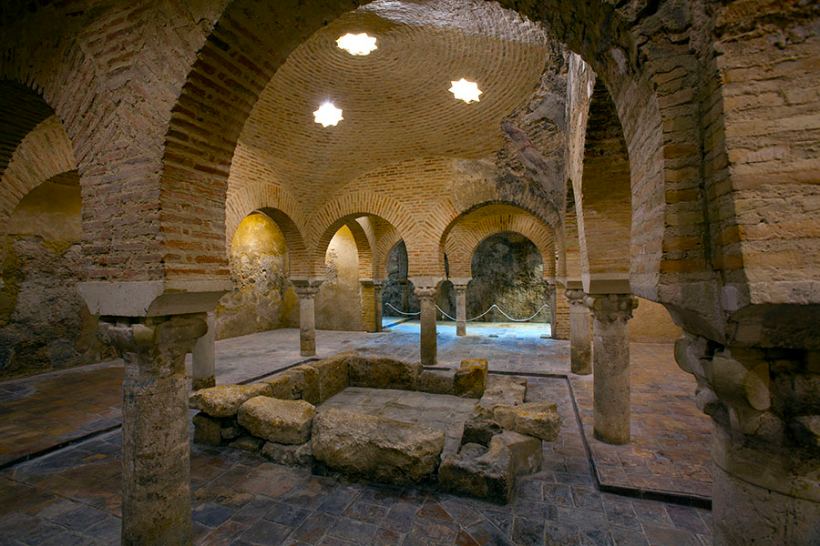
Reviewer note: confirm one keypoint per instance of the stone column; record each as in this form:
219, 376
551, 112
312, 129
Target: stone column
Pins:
561, 327
764, 403
306, 291
551, 300
426, 290
580, 348
156, 499
204, 357
610, 362
377, 302
460, 286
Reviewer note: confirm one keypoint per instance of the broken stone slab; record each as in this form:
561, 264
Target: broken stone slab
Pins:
332, 375
436, 382
477, 471
291, 455
224, 400
376, 448
502, 390
281, 421
383, 373
470, 379
479, 429
525, 451
539, 419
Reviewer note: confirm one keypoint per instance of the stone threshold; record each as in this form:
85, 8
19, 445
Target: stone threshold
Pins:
673, 497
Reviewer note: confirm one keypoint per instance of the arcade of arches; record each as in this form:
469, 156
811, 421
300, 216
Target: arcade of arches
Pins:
633, 172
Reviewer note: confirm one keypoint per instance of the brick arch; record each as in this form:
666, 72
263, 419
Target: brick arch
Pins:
45, 152
469, 230
244, 199
298, 255
603, 198
385, 243
21, 110
364, 246
359, 203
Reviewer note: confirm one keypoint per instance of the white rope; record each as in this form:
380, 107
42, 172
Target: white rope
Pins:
494, 306
402, 312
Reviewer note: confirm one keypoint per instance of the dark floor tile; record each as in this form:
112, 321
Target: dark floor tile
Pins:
400, 517
286, 514
688, 519
485, 533
314, 527
526, 532
265, 532
353, 530
627, 537
667, 536
364, 511
211, 514
560, 534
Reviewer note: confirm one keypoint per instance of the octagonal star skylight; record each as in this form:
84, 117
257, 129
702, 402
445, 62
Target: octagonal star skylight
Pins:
328, 115
357, 44
465, 90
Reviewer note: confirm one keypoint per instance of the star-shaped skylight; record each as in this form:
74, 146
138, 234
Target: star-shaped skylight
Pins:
357, 44
328, 115
465, 90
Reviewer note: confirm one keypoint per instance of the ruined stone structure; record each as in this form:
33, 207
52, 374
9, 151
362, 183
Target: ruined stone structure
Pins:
163, 183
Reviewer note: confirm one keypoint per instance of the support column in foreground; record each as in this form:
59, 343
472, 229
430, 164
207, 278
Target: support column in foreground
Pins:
610, 362
426, 289
156, 500
204, 357
460, 286
764, 403
580, 348
306, 290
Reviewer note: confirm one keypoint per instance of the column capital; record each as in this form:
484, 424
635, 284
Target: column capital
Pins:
575, 297
306, 288
460, 283
425, 287
171, 335
611, 307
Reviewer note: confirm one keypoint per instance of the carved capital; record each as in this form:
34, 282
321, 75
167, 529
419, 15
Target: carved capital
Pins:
425, 287
575, 297
611, 307
154, 342
306, 288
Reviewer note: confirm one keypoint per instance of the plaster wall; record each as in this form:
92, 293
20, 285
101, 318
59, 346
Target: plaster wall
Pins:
44, 324
262, 298
338, 303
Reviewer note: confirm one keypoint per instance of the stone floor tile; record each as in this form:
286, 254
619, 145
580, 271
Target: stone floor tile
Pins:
211, 514
265, 532
528, 532
286, 514
367, 512
668, 536
353, 530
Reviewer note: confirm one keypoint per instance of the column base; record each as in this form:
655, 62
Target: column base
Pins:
198, 383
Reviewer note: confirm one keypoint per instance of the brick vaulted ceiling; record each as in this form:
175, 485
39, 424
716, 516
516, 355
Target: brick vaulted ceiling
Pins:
396, 101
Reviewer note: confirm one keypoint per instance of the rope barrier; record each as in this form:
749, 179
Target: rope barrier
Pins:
493, 306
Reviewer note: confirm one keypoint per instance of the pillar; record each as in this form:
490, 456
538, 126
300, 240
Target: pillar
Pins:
610, 363
204, 357
306, 291
551, 301
426, 290
764, 404
460, 286
156, 498
580, 348
561, 327
371, 305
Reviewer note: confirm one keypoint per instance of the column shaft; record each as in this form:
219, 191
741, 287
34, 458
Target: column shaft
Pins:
426, 294
610, 356
204, 357
156, 500
461, 309
306, 291
377, 300
580, 349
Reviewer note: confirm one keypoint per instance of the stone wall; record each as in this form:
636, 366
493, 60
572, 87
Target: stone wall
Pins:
651, 323
338, 303
397, 291
262, 298
44, 324
507, 270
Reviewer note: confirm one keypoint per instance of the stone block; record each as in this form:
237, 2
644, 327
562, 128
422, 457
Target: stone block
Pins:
525, 451
539, 419
307, 377
247, 443
383, 373
224, 400
479, 429
332, 375
470, 378
502, 390
375, 448
436, 382
479, 472
281, 421
285, 386
291, 455
207, 430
